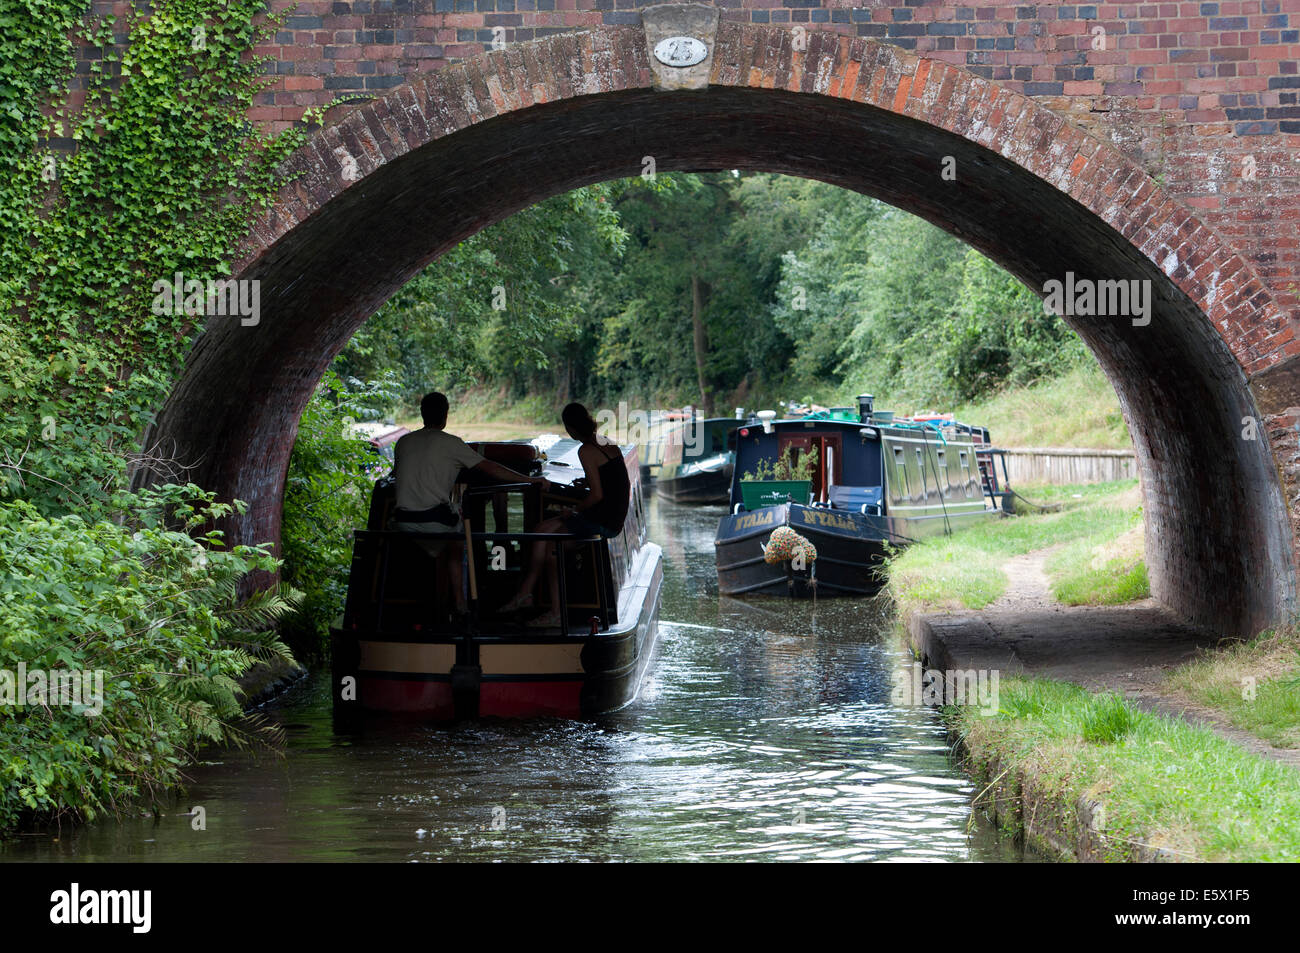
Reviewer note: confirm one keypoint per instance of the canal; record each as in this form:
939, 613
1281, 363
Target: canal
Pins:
764, 731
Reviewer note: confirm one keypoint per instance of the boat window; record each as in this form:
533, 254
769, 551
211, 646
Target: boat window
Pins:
965, 462
920, 465
941, 474
902, 468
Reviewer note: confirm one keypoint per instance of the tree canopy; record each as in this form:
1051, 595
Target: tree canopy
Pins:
713, 289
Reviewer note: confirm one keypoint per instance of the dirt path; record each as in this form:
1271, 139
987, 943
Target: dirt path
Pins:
1027, 583
1127, 649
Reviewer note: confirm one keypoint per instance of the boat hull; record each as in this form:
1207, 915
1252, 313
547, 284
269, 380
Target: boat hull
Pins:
850, 552
505, 674
713, 486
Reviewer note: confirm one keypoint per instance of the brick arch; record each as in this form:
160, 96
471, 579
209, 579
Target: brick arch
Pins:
393, 183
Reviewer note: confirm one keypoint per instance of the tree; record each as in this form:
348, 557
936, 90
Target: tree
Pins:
499, 306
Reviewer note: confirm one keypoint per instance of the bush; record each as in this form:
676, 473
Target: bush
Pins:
154, 609
326, 497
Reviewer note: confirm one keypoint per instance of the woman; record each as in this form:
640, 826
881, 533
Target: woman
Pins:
601, 513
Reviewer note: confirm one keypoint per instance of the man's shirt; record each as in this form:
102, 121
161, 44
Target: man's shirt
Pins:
427, 463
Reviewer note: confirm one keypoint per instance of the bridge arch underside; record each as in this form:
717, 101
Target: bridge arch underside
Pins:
1219, 544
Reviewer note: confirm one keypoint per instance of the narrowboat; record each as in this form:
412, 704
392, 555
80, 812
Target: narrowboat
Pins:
651, 448
400, 648
698, 461
874, 484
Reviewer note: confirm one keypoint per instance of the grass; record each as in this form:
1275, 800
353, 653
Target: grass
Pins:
1255, 685
1113, 584
1162, 782
1077, 409
965, 570
1100, 569
1106, 719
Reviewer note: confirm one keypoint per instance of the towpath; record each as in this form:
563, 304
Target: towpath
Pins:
1127, 649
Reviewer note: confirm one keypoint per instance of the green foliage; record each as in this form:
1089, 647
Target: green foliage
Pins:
326, 497
153, 603
964, 570
1163, 783
164, 177
693, 248
1075, 409
1114, 583
786, 467
1028, 701
933, 321
451, 326
817, 301
1255, 684
783, 286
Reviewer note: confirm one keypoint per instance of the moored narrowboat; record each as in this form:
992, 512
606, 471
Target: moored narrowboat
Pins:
399, 648
650, 449
698, 461
864, 487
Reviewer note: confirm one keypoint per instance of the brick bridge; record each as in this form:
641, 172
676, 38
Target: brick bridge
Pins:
1150, 141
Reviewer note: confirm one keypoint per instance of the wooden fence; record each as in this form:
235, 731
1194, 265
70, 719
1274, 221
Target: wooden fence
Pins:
1069, 465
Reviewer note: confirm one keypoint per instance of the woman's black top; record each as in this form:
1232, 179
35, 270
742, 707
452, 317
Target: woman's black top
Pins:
615, 495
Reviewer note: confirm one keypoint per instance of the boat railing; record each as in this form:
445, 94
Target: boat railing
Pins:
385, 538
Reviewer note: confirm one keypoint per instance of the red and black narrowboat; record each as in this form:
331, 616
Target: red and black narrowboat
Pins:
400, 648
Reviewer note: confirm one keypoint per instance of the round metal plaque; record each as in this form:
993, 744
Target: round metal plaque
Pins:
681, 51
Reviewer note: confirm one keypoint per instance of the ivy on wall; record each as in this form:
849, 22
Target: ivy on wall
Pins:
163, 176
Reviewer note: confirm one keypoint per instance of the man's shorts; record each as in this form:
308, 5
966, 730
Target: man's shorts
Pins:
434, 547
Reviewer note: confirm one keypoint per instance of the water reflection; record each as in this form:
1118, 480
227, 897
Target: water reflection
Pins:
765, 731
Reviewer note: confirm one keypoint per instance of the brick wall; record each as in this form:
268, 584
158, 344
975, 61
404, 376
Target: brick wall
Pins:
1202, 97
1198, 94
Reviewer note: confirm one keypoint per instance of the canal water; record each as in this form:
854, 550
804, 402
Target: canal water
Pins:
764, 731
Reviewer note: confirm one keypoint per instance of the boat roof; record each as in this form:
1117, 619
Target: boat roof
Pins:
809, 423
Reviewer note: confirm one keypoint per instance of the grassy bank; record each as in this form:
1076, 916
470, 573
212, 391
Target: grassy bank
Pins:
1099, 530
1091, 775
1077, 409
1255, 685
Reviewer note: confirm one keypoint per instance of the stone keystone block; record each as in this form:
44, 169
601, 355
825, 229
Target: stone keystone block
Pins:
696, 20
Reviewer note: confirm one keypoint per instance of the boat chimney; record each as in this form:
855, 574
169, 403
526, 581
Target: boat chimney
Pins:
866, 404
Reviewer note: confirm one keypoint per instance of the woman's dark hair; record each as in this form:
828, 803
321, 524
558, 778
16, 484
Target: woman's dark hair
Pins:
578, 422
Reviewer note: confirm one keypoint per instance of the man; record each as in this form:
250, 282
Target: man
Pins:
427, 463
